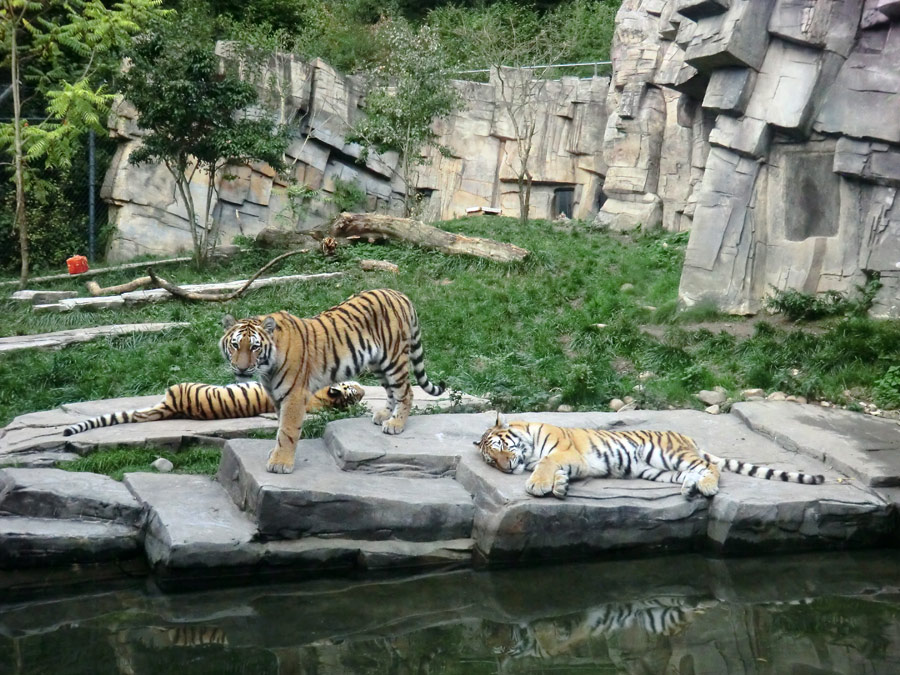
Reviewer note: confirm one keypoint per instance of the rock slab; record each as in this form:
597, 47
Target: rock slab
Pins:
318, 498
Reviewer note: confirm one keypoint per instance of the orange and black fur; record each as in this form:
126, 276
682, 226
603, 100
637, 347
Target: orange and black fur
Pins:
209, 402
378, 330
558, 454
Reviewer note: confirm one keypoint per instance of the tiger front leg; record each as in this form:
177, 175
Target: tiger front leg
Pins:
290, 420
552, 474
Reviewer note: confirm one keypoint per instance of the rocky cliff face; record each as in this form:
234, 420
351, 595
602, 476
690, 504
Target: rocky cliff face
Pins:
771, 130
322, 105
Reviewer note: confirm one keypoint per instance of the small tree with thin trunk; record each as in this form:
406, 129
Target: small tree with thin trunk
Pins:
500, 43
199, 117
408, 92
54, 50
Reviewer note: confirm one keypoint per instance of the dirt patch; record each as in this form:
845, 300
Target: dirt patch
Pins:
741, 328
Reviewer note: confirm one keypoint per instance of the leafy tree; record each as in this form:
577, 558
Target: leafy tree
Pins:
409, 90
199, 117
55, 51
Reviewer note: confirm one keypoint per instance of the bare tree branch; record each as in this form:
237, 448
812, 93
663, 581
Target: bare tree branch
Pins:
179, 292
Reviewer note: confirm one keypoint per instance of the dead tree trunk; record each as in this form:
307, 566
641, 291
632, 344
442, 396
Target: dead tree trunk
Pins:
372, 226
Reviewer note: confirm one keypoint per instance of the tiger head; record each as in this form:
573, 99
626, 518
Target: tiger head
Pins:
248, 346
502, 448
345, 394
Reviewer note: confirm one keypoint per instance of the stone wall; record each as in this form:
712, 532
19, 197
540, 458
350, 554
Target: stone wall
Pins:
322, 105
771, 130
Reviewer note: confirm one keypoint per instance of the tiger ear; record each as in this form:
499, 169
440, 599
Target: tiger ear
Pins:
334, 390
501, 421
269, 325
227, 321
476, 443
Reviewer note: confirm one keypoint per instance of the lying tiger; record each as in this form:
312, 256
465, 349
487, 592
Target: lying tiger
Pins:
557, 455
378, 330
209, 402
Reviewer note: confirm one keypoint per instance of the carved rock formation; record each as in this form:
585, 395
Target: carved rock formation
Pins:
322, 104
778, 144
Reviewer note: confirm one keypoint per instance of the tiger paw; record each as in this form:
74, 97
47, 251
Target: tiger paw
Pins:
279, 463
689, 486
560, 484
538, 488
393, 426
381, 416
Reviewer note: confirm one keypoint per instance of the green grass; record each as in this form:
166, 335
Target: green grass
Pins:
518, 334
116, 462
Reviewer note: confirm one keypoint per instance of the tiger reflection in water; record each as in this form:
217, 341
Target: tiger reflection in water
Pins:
547, 638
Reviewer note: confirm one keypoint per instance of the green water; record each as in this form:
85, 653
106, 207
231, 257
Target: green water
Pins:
815, 614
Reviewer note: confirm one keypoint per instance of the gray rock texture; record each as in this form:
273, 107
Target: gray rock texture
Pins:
320, 499
359, 499
861, 446
54, 493
777, 146
39, 542
567, 153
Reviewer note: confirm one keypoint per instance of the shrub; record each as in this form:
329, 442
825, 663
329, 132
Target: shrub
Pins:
799, 306
887, 389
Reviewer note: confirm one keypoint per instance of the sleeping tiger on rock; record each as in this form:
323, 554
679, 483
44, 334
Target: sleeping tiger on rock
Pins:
556, 455
209, 402
378, 330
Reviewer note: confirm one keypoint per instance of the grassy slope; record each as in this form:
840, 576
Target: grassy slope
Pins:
520, 334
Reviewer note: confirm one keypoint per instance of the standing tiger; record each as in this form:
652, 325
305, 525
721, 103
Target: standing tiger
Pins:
377, 329
557, 455
209, 402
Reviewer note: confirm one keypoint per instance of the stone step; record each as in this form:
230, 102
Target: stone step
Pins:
862, 446
54, 493
318, 498
193, 525
38, 542
747, 515
430, 446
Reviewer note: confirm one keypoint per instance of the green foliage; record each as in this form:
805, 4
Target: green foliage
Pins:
409, 90
57, 53
116, 462
798, 306
579, 30
887, 389
348, 195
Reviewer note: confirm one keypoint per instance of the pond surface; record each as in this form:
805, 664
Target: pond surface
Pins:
815, 614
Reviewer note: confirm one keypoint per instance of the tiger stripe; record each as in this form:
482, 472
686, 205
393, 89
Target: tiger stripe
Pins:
291, 356
192, 400
555, 455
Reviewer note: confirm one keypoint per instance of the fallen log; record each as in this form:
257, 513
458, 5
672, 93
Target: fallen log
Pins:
378, 266
95, 290
374, 227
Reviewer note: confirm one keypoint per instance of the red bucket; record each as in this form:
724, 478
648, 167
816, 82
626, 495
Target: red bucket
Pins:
77, 264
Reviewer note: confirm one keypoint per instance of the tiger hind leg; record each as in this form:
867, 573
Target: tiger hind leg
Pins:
702, 480
392, 418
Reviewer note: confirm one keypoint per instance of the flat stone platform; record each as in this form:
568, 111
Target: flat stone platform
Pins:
360, 499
